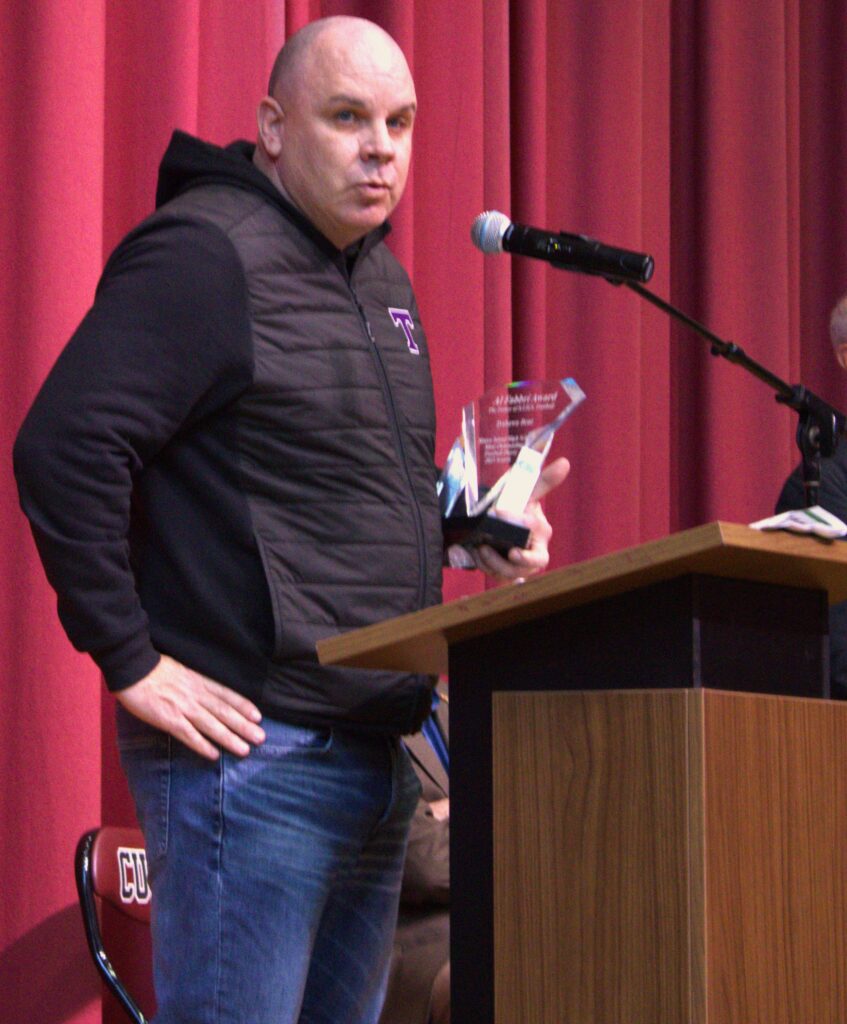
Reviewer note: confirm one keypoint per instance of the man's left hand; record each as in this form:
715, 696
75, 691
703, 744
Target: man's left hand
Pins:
523, 562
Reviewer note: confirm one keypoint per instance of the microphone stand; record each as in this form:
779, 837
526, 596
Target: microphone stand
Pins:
819, 426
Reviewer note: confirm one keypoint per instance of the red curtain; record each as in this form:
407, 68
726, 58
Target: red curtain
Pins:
710, 133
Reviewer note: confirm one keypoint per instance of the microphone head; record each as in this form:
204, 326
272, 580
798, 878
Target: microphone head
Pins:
488, 229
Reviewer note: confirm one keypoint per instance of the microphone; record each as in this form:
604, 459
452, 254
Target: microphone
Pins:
494, 232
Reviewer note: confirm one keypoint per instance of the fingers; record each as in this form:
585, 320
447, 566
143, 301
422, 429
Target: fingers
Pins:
550, 478
196, 710
521, 562
495, 565
210, 714
440, 809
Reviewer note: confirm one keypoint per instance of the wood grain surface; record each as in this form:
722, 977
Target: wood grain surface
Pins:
592, 885
672, 857
776, 859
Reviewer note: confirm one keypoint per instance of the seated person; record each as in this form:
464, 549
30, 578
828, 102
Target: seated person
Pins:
419, 983
833, 497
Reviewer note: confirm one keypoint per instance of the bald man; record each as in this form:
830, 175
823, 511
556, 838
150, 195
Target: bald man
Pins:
233, 458
838, 331
833, 497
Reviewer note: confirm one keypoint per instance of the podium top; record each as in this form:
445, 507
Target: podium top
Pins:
420, 641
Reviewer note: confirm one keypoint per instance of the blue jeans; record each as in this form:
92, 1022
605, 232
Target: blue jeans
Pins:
275, 877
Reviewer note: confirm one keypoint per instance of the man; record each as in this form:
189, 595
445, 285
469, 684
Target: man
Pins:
838, 331
832, 496
232, 458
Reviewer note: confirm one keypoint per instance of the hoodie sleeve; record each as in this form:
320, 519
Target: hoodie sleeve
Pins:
166, 343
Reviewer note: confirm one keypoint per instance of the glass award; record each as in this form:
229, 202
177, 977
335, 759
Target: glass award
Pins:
495, 463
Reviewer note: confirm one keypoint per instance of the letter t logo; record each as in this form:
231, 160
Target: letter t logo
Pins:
403, 319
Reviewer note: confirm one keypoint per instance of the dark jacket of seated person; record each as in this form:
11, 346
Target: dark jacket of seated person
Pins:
833, 497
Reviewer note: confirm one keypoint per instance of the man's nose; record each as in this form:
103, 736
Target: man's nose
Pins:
377, 143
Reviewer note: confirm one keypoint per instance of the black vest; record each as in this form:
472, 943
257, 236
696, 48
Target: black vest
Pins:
323, 478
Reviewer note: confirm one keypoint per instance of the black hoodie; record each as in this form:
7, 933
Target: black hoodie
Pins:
233, 456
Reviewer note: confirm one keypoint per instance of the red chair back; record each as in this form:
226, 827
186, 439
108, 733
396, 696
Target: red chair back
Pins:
119, 871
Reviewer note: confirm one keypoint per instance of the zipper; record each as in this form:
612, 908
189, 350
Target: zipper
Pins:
398, 443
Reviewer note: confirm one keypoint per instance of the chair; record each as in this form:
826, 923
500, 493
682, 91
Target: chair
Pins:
114, 896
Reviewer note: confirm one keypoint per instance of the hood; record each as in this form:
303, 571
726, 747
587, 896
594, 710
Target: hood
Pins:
189, 161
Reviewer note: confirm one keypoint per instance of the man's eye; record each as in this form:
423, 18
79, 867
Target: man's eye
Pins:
345, 116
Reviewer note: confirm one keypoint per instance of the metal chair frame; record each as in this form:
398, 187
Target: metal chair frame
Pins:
87, 890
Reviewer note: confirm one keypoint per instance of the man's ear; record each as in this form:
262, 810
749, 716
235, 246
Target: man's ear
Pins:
270, 119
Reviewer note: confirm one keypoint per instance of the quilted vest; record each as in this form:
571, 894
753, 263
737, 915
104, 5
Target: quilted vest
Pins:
335, 458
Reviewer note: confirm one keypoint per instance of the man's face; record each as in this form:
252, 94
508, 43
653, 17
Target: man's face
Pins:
346, 134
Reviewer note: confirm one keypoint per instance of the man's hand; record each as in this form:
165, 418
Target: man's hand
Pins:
440, 809
523, 562
192, 707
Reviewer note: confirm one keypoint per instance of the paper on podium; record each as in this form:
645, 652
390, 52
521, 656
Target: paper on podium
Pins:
815, 520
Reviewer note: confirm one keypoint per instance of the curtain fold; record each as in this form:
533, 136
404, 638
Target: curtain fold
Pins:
51, 160
710, 133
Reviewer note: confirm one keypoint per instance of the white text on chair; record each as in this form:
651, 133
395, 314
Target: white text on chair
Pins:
132, 864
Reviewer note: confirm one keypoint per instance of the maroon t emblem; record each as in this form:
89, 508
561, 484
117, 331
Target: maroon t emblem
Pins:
403, 319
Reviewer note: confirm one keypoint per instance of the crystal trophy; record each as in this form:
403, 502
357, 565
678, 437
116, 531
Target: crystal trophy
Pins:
494, 464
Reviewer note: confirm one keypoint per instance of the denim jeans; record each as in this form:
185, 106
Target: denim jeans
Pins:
275, 877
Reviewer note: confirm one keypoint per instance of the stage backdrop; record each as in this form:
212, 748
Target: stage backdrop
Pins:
710, 133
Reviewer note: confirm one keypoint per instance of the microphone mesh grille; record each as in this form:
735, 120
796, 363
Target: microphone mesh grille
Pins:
488, 229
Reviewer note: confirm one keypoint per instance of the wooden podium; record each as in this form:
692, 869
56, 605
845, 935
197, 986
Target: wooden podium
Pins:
649, 796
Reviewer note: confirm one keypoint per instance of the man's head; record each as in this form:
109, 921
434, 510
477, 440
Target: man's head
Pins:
838, 331
335, 133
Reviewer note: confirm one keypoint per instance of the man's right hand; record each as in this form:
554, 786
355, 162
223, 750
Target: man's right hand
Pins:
440, 808
194, 709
